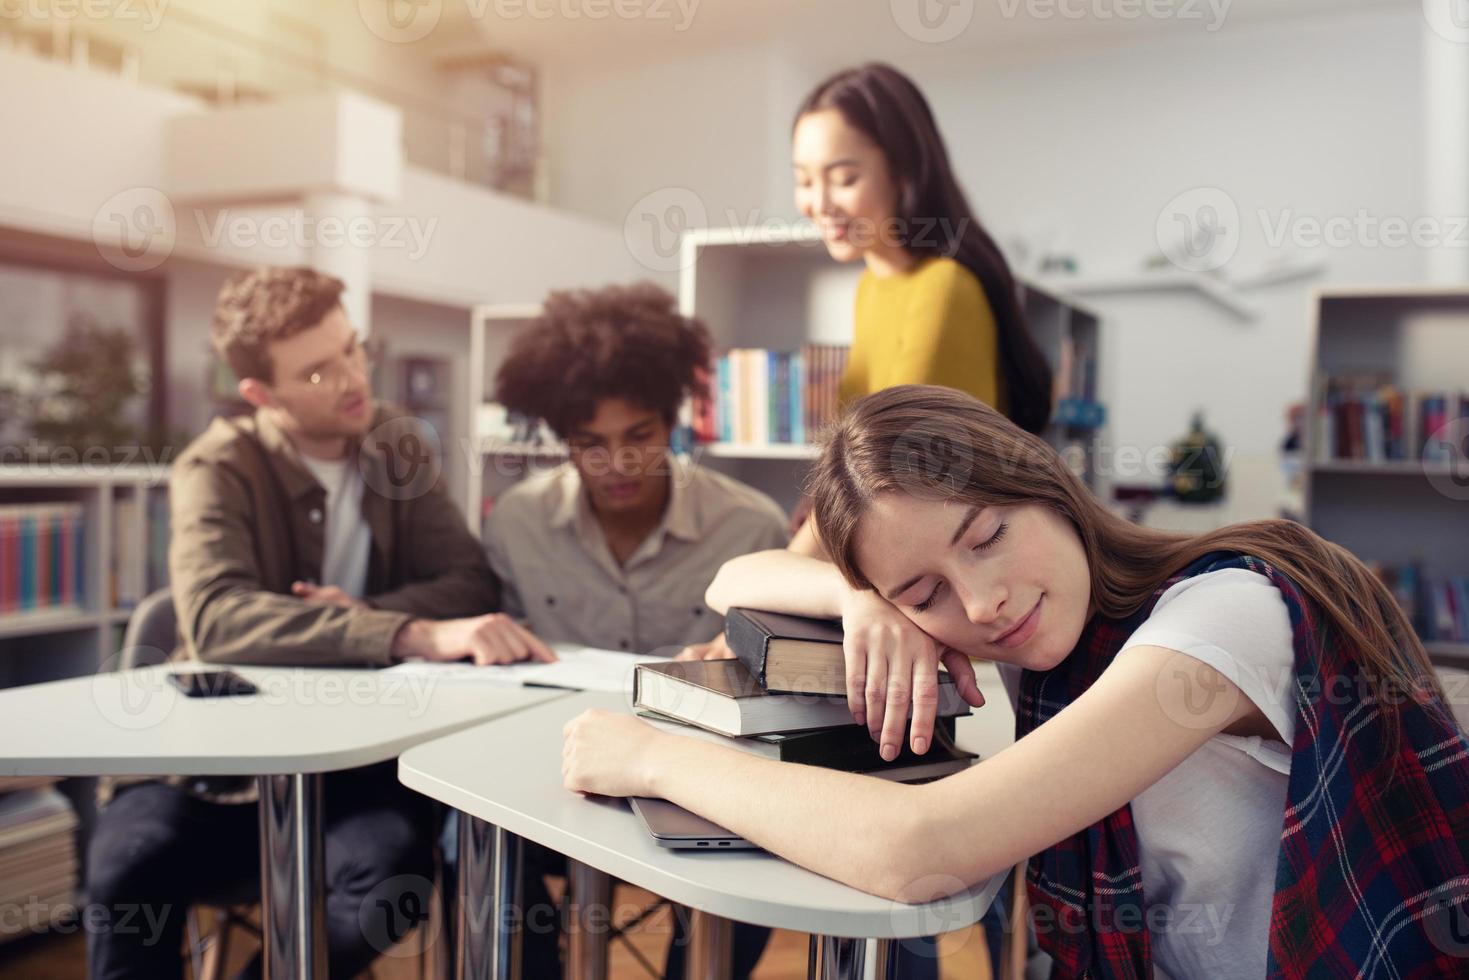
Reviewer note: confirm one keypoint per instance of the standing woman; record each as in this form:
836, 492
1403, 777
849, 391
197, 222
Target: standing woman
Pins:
937, 303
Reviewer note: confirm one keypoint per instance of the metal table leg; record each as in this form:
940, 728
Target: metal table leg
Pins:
488, 938
851, 959
590, 925
711, 947
292, 871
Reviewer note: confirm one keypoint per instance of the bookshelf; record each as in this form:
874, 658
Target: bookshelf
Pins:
121, 559
494, 464
777, 288
1395, 512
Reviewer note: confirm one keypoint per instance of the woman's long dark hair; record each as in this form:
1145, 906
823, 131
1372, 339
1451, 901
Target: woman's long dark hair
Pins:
887, 107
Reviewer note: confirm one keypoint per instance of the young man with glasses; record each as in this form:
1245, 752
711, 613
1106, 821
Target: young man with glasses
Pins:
312, 532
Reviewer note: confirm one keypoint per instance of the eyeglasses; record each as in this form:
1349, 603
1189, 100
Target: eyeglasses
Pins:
334, 376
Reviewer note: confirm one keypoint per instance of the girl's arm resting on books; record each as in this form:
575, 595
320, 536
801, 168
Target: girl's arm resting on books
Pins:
779, 581
1141, 718
890, 663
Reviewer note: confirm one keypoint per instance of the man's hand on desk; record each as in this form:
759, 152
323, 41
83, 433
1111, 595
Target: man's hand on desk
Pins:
715, 649
491, 639
326, 595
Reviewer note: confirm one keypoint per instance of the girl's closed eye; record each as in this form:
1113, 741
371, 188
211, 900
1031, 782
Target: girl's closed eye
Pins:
927, 604
993, 539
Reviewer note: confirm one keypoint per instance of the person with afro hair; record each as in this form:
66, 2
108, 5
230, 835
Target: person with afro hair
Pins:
615, 547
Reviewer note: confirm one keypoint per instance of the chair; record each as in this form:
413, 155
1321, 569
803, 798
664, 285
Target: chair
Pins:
150, 637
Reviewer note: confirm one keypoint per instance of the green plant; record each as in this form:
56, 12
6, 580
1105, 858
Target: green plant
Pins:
85, 385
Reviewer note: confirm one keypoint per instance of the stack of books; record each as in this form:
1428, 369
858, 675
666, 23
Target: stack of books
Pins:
762, 396
38, 855
784, 698
40, 557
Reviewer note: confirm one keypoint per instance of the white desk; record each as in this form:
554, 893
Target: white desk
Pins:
523, 797
302, 723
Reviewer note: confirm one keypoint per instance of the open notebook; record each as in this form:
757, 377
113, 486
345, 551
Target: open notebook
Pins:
579, 669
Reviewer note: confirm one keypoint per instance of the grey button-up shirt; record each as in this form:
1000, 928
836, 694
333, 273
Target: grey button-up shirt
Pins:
559, 575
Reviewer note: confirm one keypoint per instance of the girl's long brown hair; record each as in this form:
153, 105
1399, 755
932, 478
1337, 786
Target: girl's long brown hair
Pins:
939, 443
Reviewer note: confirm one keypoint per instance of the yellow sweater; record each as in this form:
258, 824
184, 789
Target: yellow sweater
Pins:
929, 325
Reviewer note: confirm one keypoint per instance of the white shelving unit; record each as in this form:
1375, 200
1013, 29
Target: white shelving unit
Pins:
779, 289
492, 329
51, 644
1398, 511
47, 645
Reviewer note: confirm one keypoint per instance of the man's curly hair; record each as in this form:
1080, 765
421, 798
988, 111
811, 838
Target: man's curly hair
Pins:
627, 342
263, 304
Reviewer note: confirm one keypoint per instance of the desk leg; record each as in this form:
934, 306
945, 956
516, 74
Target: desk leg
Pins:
851, 959
489, 899
591, 921
711, 946
292, 913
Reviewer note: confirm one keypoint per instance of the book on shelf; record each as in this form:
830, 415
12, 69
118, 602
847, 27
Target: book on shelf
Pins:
848, 749
1436, 605
41, 557
1369, 418
724, 697
759, 396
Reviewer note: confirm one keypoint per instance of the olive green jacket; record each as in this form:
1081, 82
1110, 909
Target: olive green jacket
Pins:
247, 519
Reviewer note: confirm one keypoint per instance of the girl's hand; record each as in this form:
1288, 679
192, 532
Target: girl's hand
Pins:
892, 664
609, 753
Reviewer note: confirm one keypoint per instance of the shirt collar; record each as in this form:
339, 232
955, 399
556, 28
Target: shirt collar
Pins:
680, 517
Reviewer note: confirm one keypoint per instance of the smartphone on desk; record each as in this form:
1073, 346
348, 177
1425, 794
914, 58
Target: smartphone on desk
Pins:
211, 684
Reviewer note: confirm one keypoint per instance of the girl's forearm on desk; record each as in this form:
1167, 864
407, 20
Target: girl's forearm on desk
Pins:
855, 829
780, 581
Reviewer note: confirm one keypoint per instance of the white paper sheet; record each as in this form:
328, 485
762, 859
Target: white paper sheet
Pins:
579, 669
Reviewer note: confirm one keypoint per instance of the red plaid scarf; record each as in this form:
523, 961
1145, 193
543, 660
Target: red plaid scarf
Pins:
1366, 885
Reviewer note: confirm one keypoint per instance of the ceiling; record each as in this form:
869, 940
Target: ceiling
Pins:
571, 32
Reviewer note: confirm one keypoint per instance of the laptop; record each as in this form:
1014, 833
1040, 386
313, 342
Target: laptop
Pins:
673, 826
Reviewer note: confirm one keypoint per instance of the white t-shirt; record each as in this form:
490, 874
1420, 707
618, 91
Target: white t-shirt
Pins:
1209, 830
348, 538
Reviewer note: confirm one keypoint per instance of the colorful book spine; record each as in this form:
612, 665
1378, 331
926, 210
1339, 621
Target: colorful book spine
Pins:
40, 555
